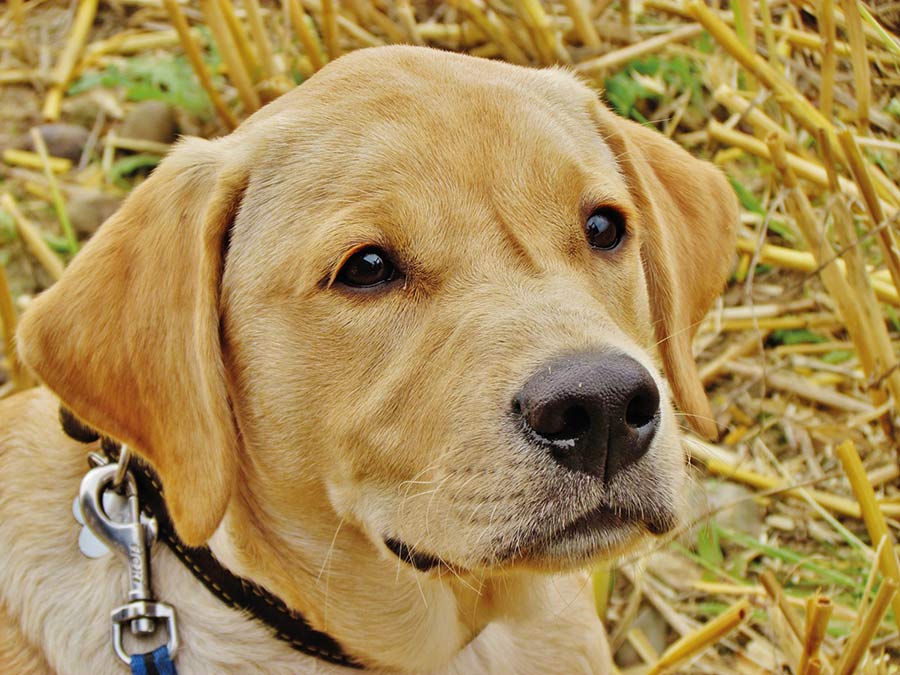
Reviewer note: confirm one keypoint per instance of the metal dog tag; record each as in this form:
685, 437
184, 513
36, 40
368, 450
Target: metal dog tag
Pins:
115, 506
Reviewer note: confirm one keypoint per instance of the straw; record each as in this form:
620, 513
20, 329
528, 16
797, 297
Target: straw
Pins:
408, 19
883, 355
834, 503
885, 235
829, 62
768, 33
584, 27
33, 240
193, 53
511, 51
543, 33
746, 32
859, 324
855, 649
691, 645
617, 58
237, 70
59, 203
872, 515
65, 66
818, 612
17, 373
801, 261
330, 29
33, 160
303, 28
260, 38
241, 39
861, 84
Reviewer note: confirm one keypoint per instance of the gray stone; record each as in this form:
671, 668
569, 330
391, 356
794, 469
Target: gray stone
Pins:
87, 211
62, 140
150, 121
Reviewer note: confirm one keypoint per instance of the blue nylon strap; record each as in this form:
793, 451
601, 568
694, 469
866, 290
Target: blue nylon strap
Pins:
157, 662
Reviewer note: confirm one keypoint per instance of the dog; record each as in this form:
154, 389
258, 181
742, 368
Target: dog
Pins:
395, 349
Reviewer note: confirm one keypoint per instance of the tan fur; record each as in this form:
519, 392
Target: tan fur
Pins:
296, 424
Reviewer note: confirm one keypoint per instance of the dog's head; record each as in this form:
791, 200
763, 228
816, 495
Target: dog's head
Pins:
439, 292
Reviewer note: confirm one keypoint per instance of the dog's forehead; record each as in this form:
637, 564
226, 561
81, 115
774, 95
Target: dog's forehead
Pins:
422, 109
403, 121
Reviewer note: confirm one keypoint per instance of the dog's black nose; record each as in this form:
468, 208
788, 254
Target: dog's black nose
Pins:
596, 413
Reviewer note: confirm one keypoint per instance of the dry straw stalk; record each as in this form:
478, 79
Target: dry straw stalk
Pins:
33, 239
65, 66
834, 503
17, 373
330, 29
193, 53
829, 62
858, 644
305, 33
241, 39
237, 69
801, 261
883, 357
261, 38
858, 323
32, 160
872, 515
861, 82
886, 237
818, 612
711, 632
59, 203
619, 57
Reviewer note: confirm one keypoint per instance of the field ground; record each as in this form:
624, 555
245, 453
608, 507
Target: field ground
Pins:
798, 102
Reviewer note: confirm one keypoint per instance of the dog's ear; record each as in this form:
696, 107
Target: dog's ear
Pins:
129, 336
689, 216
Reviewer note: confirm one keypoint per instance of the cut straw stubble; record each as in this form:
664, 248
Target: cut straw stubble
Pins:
858, 643
818, 612
871, 514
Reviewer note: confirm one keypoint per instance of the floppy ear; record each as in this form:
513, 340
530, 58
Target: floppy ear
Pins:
129, 336
689, 216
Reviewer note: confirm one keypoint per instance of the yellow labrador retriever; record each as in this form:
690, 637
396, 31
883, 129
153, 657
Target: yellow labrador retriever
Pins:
395, 350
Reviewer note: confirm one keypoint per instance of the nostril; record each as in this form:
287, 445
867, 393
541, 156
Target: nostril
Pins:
642, 409
517, 405
573, 423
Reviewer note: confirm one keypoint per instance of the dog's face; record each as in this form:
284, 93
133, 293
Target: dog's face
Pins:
442, 290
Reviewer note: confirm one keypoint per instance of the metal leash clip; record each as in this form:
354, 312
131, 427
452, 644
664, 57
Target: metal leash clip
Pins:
130, 533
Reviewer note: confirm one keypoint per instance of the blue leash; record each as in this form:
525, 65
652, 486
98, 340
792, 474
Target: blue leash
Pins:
157, 662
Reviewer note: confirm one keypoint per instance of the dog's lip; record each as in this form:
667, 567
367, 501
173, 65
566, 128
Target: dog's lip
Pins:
586, 529
424, 562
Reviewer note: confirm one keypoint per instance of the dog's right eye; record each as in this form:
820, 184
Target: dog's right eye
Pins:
366, 268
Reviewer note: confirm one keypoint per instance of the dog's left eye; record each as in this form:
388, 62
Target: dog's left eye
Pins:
605, 228
367, 267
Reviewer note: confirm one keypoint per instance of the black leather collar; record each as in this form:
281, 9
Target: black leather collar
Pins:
234, 591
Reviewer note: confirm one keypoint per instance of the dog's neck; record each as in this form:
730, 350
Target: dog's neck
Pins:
378, 608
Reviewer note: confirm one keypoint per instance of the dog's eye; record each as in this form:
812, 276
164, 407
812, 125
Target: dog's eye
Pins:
367, 267
605, 228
